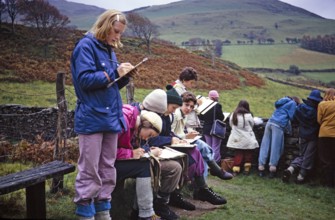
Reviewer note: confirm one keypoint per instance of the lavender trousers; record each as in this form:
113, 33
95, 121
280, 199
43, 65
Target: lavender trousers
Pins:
96, 176
196, 164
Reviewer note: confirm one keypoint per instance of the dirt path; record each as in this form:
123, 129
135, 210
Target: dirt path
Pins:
201, 208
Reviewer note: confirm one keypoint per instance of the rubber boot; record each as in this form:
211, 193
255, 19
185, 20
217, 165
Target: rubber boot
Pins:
247, 167
236, 170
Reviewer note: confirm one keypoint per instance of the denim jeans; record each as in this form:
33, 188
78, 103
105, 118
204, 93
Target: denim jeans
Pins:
206, 153
272, 145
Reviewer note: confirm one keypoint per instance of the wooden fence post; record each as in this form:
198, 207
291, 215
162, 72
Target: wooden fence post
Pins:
60, 143
130, 91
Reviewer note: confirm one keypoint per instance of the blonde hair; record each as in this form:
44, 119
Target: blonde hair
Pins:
104, 24
329, 95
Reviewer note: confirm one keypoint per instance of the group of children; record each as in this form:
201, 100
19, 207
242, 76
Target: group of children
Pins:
119, 141
315, 118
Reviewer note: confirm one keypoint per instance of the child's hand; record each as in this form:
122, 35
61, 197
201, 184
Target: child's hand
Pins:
192, 134
156, 151
138, 153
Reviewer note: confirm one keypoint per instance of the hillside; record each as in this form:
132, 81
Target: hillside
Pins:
23, 58
217, 19
231, 19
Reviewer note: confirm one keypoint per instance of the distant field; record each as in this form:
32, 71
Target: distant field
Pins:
40, 94
323, 77
277, 56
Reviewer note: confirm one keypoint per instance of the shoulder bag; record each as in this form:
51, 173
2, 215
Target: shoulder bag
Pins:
218, 128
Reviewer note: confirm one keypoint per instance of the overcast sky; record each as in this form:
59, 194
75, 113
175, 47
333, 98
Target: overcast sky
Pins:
324, 8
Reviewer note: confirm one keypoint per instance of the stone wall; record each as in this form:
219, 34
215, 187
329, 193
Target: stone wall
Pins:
19, 122
291, 147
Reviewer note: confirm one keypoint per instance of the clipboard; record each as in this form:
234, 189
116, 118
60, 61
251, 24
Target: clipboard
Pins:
137, 65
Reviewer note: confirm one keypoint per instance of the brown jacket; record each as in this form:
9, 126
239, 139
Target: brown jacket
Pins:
326, 118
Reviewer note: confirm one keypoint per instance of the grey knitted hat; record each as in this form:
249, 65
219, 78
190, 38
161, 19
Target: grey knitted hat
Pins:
156, 101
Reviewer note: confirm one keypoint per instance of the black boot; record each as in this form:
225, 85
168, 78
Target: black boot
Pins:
162, 209
208, 195
177, 200
215, 170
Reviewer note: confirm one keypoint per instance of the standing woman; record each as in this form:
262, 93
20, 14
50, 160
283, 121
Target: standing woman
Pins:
326, 119
208, 119
98, 113
242, 137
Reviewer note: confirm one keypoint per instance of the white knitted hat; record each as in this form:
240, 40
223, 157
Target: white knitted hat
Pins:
154, 119
156, 101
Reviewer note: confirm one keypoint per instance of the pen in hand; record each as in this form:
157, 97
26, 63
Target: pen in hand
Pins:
117, 79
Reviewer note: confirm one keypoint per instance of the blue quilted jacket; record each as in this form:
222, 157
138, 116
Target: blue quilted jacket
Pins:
98, 109
284, 113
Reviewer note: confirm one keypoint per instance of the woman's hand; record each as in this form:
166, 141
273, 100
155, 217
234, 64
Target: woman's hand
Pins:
125, 68
156, 151
138, 153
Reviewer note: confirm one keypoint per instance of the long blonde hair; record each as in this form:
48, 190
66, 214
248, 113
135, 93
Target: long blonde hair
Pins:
104, 24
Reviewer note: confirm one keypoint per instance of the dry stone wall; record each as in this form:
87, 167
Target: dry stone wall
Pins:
19, 122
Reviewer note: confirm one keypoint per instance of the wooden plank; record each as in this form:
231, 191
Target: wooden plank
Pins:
26, 178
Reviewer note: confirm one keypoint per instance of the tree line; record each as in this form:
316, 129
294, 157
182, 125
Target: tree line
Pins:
324, 44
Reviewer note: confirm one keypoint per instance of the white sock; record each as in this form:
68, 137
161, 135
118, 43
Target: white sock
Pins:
291, 169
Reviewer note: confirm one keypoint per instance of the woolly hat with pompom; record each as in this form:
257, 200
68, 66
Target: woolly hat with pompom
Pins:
172, 96
156, 101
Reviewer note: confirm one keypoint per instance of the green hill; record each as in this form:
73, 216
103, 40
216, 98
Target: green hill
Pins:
235, 20
217, 19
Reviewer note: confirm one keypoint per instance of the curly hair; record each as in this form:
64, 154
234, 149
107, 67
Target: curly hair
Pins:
187, 74
188, 96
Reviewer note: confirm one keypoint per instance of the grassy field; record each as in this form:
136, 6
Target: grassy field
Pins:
249, 197
323, 77
277, 56
41, 94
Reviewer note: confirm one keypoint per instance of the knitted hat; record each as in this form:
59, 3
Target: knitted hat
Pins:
315, 96
156, 101
172, 96
154, 119
213, 94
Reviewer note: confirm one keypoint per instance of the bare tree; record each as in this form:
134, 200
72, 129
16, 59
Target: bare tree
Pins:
13, 9
142, 28
45, 17
2, 9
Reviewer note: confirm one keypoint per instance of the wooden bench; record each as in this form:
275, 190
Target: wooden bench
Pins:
33, 180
